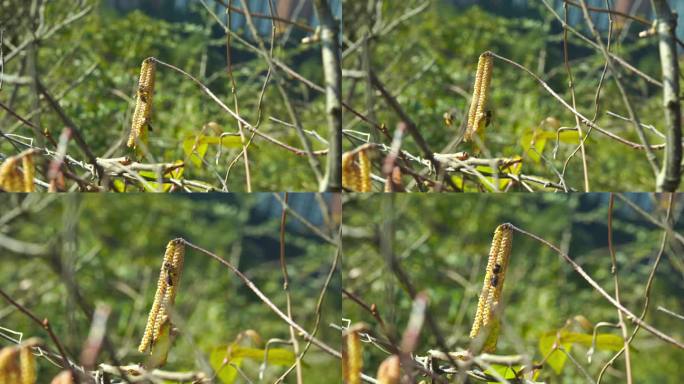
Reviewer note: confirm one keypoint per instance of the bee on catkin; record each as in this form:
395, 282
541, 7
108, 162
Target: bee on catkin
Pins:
488, 311
477, 113
143, 102
165, 296
352, 358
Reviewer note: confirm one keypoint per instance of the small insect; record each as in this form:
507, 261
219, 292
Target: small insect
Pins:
488, 118
448, 118
497, 268
144, 93
495, 281
168, 268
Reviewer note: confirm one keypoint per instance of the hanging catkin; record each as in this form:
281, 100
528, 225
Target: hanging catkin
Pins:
488, 311
352, 358
356, 170
143, 102
477, 111
18, 179
165, 296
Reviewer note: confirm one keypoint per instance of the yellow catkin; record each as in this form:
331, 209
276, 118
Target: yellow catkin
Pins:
389, 371
356, 170
476, 96
492, 287
351, 172
9, 370
353, 358
28, 366
365, 174
483, 78
11, 179
165, 296
143, 102
29, 172
481, 304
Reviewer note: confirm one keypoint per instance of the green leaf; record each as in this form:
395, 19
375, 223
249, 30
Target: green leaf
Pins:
237, 353
194, 149
557, 358
567, 339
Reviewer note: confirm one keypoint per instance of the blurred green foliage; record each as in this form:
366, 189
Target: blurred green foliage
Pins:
443, 242
95, 62
428, 60
109, 251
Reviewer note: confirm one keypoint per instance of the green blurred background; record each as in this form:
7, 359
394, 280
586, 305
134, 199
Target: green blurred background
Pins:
109, 251
442, 242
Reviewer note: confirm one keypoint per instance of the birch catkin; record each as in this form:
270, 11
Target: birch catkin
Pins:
29, 172
143, 102
356, 170
10, 176
27, 363
14, 179
476, 113
486, 315
365, 179
9, 369
165, 296
352, 363
22, 371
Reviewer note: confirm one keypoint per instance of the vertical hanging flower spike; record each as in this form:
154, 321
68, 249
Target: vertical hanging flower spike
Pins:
16, 179
477, 111
29, 172
365, 166
352, 357
488, 310
143, 103
27, 362
165, 296
356, 170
